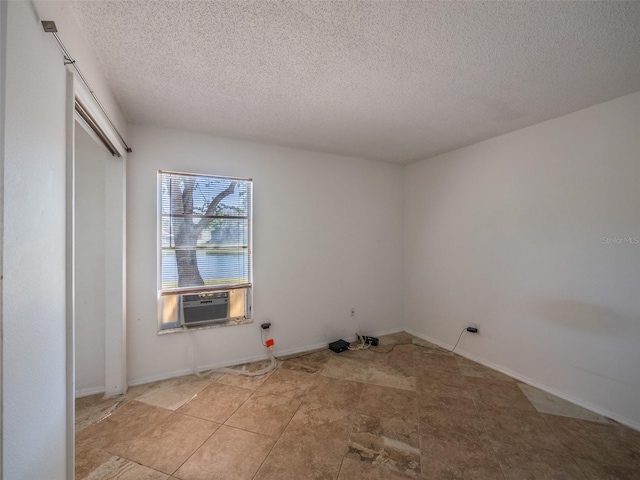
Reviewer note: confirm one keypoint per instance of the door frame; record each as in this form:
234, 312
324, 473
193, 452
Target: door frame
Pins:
115, 256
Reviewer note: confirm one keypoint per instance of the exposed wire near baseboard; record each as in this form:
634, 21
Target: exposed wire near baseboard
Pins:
362, 343
273, 360
461, 333
273, 363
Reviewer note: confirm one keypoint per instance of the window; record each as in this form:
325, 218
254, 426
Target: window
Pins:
205, 249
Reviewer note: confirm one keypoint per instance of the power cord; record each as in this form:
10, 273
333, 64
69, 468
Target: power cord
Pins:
231, 371
422, 346
375, 350
362, 343
394, 346
288, 358
454, 347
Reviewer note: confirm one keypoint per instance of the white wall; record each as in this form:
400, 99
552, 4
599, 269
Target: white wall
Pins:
115, 275
327, 237
510, 234
90, 263
3, 67
72, 36
34, 408
99, 268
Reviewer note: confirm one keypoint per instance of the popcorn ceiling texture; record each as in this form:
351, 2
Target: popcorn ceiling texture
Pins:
389, 81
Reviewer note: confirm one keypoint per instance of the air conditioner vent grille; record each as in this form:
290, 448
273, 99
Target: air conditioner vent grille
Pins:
203, 308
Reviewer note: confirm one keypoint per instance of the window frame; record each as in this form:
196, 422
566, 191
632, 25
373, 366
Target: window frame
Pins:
163, 295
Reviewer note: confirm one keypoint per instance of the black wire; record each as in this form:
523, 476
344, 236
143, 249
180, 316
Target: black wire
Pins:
300, 356
454, 347
394, 346
288, 358
373, 350
423, 346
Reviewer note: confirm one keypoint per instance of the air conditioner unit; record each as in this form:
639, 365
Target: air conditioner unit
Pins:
205, 308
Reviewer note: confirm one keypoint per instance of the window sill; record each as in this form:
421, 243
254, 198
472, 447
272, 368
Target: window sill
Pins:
229, 323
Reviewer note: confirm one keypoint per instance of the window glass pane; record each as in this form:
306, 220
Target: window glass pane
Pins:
205, 231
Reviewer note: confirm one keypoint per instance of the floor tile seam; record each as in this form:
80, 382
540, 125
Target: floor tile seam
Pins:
333, 407
348, 379
76, 431
577, 460
289, 397
194, 452
282, 368
495, 458
246, 388
355, 415
129, 459
217, 424
418, 429
179, 381
118, 405
422, 463
485, 438
341, 466
484, 443
208, 384
389, 386
200, 418
567, 453
230, 386
251, 431
566, 447
306, 393
511, 448
610, 461
88, 410
145, 431
226, 419
277, 440
98, 466
176, 412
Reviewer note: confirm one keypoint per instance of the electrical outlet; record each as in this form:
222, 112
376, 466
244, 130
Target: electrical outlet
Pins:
353, 312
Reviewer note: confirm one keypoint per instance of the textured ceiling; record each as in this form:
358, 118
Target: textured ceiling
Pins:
390, 81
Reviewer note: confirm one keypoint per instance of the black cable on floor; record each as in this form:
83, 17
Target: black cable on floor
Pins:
381, 351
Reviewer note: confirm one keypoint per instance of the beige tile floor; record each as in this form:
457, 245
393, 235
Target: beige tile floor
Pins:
414, 412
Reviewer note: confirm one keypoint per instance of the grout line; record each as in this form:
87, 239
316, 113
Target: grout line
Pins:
414, 353
278, 439
341, 465
353, 421
196, 449
569, 452
484, 441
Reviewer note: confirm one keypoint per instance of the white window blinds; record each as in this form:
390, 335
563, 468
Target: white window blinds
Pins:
205, 232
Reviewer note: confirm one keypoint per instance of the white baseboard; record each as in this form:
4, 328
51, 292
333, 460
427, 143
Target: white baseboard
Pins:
85, 392
201, 368
534, 383
256, 358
